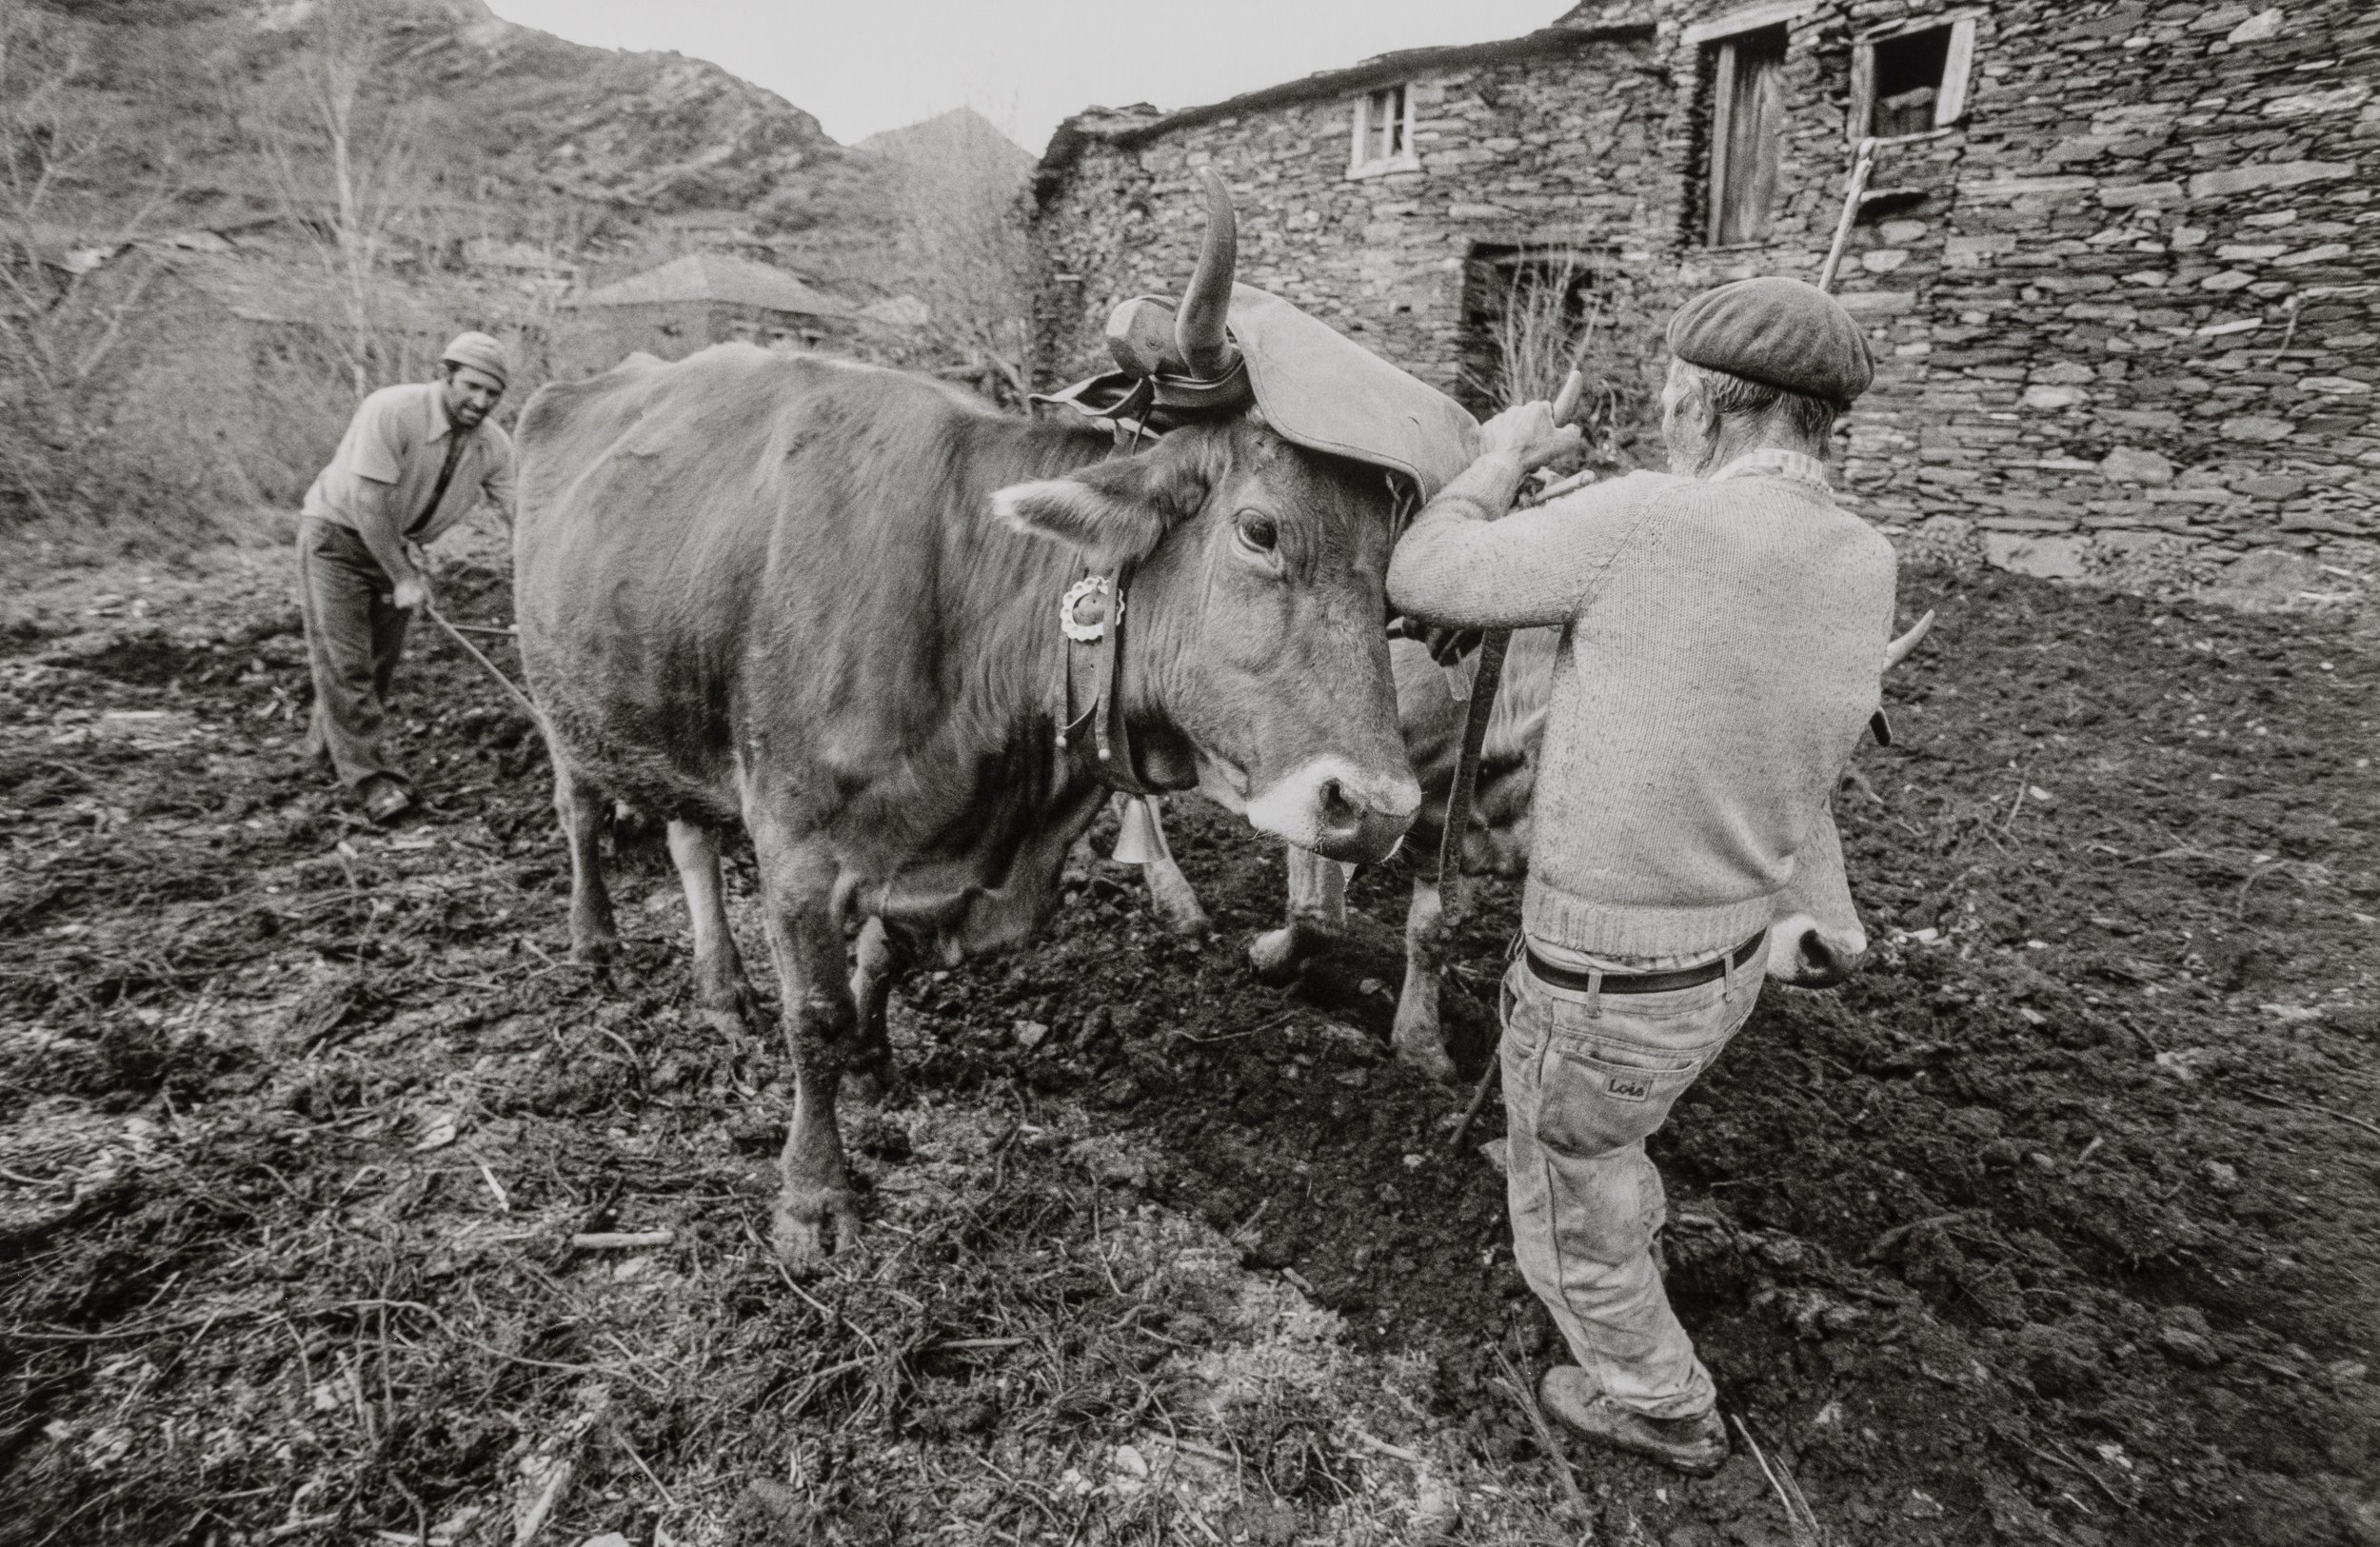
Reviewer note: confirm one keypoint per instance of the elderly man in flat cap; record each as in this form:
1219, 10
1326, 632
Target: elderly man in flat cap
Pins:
1724, 626
417, 458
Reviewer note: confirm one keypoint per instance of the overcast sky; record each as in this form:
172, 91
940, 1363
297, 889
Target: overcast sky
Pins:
860, 66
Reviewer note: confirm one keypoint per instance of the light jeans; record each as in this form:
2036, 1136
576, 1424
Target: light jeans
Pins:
1587, 1076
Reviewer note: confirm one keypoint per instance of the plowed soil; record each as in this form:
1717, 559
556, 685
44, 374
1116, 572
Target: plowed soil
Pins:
2061, 1223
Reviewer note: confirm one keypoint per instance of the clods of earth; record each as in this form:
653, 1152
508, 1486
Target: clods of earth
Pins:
338, 1205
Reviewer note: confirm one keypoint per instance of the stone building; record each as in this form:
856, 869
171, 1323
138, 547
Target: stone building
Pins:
695, 301
2119, 261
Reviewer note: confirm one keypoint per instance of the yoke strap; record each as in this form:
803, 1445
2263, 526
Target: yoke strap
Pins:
1110, 736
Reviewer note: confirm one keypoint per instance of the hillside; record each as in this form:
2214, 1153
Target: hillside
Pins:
654, 139
535, 135
171, 211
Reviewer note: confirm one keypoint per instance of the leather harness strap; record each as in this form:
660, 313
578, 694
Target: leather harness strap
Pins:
1110, 737
1158, 402
1648, 982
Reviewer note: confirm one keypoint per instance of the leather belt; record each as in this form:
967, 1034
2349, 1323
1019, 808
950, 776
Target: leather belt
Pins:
1649, 983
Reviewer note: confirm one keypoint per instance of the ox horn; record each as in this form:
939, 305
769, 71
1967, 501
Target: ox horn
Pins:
1199, 336
1898, 650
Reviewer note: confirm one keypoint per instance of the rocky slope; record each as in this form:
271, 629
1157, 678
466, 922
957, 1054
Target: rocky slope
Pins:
167, 223
516, 135
648, 137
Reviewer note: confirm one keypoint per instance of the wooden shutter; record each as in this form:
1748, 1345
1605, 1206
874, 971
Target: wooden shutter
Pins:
1949, 101
1722, 134
1862, 119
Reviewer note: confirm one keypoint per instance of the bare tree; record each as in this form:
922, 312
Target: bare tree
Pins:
960, 196
69, 301
345, 162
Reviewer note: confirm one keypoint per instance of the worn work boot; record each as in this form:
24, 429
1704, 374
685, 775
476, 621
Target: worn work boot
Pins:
1697, 1445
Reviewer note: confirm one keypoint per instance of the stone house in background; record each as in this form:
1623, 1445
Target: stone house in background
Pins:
692, 302
2119, 261
248, 355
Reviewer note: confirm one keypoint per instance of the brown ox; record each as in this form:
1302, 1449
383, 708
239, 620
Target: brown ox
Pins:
821, 600
1815, 939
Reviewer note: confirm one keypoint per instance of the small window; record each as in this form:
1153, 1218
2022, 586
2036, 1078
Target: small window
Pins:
1913, 81
1747, 127
1383, 138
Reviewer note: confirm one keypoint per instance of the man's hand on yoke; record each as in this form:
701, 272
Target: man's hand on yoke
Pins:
1528, 434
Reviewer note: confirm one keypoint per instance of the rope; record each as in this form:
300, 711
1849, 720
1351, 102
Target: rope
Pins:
493, 671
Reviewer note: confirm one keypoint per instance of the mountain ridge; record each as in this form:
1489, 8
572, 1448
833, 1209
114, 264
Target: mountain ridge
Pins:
195, 304
549, 139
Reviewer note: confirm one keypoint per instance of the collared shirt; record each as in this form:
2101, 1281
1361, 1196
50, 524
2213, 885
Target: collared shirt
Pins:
1771, 462
399, 437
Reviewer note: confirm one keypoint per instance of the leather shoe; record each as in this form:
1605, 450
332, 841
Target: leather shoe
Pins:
1695, 1445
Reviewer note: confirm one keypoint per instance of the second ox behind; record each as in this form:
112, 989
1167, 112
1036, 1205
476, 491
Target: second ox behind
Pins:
1815, 938
822, 600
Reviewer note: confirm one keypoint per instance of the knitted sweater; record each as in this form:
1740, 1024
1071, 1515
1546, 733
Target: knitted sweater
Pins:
1722, 644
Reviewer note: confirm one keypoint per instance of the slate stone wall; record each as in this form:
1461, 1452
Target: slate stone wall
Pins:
2127, 312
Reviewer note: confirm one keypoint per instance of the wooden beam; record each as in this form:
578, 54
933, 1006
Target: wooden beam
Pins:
1862, 92
1750, 19
1914, 24
1949, 101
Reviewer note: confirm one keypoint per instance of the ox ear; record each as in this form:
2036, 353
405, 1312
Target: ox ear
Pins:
1114, 513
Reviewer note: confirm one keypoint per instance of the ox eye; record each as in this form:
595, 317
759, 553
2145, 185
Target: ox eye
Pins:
1259, 531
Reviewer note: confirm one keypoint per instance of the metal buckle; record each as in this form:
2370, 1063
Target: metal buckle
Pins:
1081, 632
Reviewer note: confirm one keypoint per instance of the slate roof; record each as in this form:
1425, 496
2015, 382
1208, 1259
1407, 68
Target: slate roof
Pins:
1140, 123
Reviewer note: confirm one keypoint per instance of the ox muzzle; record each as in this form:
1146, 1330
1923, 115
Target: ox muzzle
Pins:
1804, 955
1334, 809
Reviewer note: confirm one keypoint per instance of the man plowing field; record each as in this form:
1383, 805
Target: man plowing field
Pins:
1724, 632
417, 458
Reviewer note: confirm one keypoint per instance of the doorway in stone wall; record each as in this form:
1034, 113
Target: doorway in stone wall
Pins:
1524, 307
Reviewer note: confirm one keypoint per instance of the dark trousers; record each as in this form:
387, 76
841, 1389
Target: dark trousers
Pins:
354, 634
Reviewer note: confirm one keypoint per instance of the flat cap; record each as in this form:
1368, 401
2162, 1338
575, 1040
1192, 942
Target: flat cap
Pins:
480, 352
1776, 330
